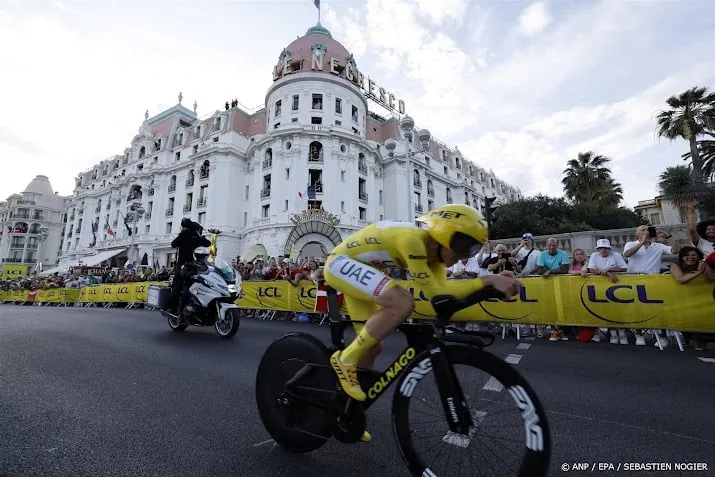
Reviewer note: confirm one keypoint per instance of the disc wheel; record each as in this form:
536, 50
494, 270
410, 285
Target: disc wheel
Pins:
295, 425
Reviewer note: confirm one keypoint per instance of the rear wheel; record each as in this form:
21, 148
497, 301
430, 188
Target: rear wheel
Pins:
229, 327
295, 425
503, 406
175, 322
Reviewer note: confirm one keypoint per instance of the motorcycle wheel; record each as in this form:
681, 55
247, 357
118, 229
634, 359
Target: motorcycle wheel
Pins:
175, 323
228, 329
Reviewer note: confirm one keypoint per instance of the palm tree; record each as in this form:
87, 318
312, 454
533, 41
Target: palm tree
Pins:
691, 115
588, 179
676, 184
706, 149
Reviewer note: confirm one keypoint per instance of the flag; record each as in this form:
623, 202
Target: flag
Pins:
321, 299
109, 230
304, 193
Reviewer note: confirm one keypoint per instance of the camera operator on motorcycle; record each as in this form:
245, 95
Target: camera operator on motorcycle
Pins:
189, 239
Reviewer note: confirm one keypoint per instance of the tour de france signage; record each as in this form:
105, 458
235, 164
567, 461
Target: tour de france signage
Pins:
345, 69
319, 215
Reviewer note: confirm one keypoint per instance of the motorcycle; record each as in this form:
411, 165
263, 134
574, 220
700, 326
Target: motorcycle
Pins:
209, 300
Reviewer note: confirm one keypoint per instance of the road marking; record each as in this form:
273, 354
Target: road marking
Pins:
707, 360
493, 385
513, 358
263, 443
523, 346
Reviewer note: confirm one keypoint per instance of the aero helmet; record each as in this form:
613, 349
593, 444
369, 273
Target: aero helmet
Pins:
459, 228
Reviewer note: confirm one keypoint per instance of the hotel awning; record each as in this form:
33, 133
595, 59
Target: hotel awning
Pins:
93, 260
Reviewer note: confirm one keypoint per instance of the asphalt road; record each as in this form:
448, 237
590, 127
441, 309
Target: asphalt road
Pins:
90, 392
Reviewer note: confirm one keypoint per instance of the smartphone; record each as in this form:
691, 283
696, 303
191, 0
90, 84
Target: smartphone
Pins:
652, 232
505, 256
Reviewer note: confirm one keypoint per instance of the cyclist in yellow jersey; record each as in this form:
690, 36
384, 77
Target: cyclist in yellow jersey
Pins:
454, 231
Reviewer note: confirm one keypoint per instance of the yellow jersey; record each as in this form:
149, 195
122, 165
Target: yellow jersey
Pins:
403, 245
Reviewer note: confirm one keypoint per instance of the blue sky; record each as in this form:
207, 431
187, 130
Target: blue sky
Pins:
519, 87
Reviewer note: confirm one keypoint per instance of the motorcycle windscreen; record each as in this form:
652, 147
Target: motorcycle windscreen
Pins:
225, 269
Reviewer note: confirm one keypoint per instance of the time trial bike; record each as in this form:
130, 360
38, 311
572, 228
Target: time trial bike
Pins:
302, 405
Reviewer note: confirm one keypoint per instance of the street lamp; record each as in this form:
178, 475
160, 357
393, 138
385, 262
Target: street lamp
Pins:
42, 236
136, 212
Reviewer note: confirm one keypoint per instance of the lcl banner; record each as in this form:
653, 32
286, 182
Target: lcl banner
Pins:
635, 301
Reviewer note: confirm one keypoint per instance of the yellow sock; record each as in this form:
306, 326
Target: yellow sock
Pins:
357, 349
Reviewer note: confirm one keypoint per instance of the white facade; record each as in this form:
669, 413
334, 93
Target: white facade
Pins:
31, 225
251, 173
660, 211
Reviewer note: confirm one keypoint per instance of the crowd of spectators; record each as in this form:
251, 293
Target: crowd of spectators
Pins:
82, 277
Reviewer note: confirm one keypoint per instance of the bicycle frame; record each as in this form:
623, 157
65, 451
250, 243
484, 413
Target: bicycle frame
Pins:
427, 339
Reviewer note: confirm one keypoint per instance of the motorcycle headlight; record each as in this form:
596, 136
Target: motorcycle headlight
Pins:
232, 288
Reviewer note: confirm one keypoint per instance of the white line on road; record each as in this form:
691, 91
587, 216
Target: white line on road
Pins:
707, 360
513, 358
493, 385
263, 443
523, 346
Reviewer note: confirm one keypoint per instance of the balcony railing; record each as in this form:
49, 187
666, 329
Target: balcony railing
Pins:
190, 182
418, 208
362, 168
265, 193
417, 184
430, 192
172, 188
169, 212
267, 163
203, 175
150, 191
201, 203
362, 196
187, 208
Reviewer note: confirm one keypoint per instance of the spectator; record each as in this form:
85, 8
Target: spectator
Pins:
465, 268
554, 261
645, 256
526, 255
503, 260
604, 261
483, 257
691, 265
701, 234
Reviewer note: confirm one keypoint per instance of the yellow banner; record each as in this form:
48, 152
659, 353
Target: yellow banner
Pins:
635, 301
13, 271
119, 293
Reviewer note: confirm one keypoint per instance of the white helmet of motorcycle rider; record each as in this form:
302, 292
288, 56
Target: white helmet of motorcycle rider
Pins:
201, 254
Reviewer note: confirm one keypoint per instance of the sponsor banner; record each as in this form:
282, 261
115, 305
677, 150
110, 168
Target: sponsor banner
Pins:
118, 293
635, 301
10, 272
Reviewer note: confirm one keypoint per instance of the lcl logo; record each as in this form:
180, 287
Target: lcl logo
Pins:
271, 292
619, 296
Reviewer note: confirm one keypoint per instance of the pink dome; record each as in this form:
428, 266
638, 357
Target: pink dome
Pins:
317, 37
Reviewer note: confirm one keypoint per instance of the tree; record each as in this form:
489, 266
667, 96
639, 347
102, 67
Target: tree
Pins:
706, 149
691, 115
588, 179
678, 186
542, 215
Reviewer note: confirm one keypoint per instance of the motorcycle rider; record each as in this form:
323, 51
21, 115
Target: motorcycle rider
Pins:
189, 239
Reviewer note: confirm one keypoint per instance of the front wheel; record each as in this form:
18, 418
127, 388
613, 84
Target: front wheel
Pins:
229, 327
175, 322
504, 408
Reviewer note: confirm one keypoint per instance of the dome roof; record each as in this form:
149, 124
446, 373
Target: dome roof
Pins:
317, 37
40, 185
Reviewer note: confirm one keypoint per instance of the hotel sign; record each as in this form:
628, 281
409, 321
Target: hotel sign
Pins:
346, 70
319, 215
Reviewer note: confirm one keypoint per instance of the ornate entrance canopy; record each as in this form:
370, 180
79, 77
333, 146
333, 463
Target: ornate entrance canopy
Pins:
313, 226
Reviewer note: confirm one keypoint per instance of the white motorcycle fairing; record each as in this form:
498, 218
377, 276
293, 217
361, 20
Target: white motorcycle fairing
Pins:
223, 308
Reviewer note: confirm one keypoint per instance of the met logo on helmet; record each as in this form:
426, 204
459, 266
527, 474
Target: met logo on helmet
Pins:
446, 214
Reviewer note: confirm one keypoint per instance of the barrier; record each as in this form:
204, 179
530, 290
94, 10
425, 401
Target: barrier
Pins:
116, 293
635, 301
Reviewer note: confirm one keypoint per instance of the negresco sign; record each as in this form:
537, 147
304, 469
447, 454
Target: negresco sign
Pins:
345, 69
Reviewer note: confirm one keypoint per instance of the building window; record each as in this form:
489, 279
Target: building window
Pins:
449, 195
195, 149
177, 156
355, 114
245, 219
285, 206
142, 153
168, 228
296, 102
458, 164
338, 106
246, 195
279, 106
363, 213
338, 123
342, 176
430, 204
379, 197
446, 172
276, 125
202, 218
318, 102
204, 171
316, 120
294, 120
342, 206
655, 219
265, 211
315, 151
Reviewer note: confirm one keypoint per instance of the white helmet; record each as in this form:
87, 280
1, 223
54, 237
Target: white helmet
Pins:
201, 254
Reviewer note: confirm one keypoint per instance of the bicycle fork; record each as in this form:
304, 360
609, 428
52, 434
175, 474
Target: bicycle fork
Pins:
456, 410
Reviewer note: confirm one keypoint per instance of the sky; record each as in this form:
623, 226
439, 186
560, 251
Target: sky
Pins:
520, 87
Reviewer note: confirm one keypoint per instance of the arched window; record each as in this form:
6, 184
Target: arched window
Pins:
269, 154
35, 228
416, 178
190, 178
457, 163
204, 171
172, 184
20, 228
466, 198
449, 195
430, 187
217, 125
142, 152
315, 151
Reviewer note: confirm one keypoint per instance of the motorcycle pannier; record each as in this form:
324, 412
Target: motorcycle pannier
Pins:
157, 296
